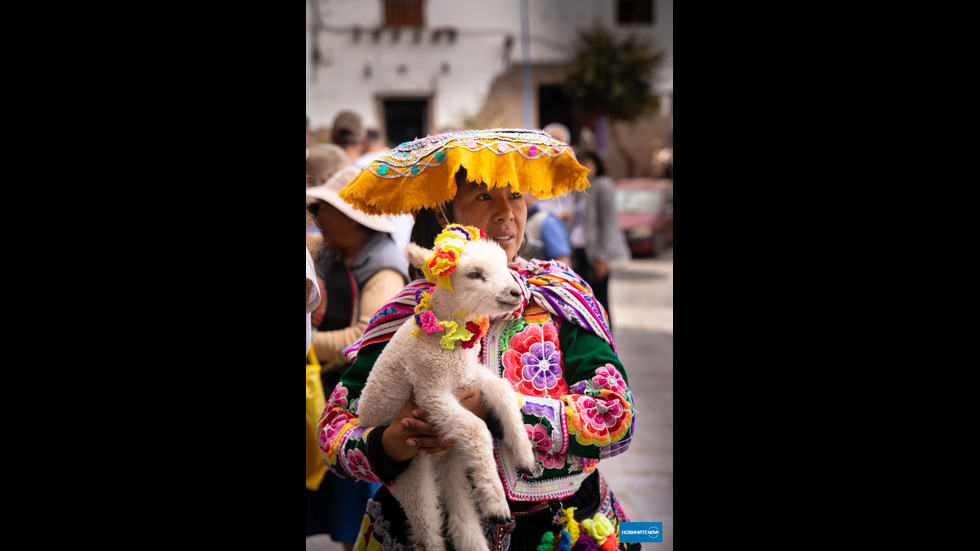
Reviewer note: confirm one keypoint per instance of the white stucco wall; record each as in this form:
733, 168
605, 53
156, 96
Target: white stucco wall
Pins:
474, 59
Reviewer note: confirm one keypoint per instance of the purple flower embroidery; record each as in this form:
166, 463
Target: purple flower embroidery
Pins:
545, 411
541, 365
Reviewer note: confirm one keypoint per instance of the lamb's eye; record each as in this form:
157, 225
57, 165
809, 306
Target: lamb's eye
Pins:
476, 275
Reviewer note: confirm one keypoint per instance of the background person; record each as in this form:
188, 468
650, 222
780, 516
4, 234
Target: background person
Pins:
359, 270
347, 133
597, 241
545, 236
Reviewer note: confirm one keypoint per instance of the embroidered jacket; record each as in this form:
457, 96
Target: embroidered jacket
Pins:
557, 353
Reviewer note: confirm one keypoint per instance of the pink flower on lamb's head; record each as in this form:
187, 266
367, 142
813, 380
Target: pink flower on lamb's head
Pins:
609, 378
360, 467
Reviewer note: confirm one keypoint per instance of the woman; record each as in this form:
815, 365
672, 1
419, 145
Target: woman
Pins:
597, 242
359, 271
556, 351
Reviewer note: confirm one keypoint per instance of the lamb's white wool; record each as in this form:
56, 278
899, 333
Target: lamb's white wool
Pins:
417, 358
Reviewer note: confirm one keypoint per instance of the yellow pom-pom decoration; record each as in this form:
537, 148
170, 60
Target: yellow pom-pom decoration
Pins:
599, 528
568, 522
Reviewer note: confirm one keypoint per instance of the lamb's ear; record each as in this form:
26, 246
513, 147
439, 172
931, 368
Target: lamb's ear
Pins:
417, 255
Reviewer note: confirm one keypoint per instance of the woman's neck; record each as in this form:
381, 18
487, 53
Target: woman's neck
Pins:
357, 241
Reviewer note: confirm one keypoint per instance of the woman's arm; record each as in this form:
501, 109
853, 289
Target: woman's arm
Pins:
594, 417
374, 294
377, 454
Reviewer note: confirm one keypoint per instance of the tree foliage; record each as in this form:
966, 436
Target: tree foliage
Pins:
611, 75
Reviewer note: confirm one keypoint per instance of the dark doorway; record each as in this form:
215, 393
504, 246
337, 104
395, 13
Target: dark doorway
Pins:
554, 107
405, 120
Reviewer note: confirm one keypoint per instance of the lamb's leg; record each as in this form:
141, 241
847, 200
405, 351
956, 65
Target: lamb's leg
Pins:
463, 518
473, 446
417, 491
499, 396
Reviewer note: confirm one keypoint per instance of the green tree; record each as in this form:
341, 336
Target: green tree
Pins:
611, 76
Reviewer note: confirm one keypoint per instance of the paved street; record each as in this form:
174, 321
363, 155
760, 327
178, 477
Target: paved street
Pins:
643, 327
642, 310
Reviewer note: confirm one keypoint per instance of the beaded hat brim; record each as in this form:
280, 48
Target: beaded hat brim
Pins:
421, 174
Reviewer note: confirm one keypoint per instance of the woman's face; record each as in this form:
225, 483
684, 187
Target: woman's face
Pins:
335, 226
589, 164
499, 212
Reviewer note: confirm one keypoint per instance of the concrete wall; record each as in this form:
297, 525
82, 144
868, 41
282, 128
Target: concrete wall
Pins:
471, 77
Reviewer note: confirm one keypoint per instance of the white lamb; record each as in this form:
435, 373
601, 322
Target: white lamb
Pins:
434, 355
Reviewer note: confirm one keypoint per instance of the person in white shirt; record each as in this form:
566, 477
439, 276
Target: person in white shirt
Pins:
312, 295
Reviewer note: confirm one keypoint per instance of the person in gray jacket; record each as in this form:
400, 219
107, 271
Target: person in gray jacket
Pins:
596, 239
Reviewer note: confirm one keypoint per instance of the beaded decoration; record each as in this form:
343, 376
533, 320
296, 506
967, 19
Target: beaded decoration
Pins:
421, 173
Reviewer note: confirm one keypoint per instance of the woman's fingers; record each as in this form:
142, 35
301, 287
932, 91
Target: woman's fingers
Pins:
424, 436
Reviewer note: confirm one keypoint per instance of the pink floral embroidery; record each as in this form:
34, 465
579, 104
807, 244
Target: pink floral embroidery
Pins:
338, 398
330, 431
607, 377
542, 445
598, 421
359, 466
539, 437
601, 415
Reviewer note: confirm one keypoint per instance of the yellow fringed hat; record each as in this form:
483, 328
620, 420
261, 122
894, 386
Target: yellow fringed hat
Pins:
421, 174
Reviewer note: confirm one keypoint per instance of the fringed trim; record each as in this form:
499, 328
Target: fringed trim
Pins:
421, 174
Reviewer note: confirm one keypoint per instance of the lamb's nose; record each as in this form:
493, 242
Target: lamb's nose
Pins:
515, 294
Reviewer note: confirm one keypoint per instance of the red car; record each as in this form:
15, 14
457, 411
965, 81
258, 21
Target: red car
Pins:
645, 208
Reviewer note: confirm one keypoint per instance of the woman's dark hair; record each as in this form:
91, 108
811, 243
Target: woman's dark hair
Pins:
593, 155
424, 232
427, 226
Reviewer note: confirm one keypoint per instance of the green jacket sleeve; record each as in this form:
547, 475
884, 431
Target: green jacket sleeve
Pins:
350, 450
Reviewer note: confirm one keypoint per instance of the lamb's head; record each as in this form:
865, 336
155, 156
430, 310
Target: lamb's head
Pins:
471, 267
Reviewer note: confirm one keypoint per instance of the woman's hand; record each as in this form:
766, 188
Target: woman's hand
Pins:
410, 434
469, 398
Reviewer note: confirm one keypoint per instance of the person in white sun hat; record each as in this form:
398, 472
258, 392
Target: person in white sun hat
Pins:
359, 269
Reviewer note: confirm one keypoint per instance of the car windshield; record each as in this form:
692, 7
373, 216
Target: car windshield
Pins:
637, 200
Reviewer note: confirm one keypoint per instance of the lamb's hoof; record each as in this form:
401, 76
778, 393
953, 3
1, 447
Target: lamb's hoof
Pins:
524, 462
497, 511
499, 520
526, 473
